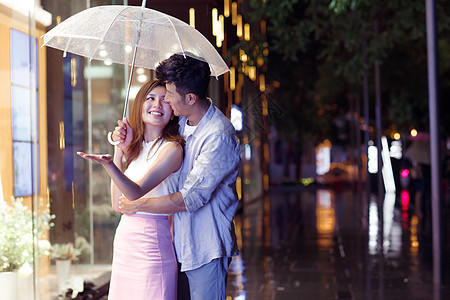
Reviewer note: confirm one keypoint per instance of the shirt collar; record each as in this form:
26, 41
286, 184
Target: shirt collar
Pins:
206, 117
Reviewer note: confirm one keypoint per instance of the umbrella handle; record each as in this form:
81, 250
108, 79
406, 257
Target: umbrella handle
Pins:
110, 140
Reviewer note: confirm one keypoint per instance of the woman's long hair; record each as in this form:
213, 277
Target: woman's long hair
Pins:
169, 133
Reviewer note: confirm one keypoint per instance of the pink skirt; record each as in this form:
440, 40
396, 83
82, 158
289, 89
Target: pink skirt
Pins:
144, 264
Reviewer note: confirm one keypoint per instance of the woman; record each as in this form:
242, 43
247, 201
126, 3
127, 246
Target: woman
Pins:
144, 264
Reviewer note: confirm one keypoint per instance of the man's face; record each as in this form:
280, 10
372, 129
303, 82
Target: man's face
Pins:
176, 101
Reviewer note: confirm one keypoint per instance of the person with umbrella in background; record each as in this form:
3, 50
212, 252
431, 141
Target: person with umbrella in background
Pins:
206, 202
144, 264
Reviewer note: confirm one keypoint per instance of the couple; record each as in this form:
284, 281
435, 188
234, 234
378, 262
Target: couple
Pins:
186, 167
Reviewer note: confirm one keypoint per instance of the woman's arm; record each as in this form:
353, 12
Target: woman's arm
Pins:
168, 161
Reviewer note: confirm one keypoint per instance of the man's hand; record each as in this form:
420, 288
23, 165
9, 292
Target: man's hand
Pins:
126, 206
123, 133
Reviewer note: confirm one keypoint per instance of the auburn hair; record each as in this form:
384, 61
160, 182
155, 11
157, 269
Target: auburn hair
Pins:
169, 133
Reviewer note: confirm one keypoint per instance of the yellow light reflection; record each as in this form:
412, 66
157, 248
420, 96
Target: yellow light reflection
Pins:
226, 8
263, 27
265, 107
262, 83
413, 132
192, 17
247, 32
266, 182
396, 136
414, 239
252, 73
73, 72
239, 26
62, 140
325, 218
232, 79
239, 187
234, 13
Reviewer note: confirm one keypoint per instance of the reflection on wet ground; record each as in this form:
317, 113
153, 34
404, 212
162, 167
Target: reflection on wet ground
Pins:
299, 243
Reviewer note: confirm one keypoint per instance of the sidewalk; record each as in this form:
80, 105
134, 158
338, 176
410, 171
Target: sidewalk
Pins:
308, 243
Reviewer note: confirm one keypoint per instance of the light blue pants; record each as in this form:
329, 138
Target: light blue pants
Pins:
208, 281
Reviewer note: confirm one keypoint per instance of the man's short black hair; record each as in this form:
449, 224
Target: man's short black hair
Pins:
190, 75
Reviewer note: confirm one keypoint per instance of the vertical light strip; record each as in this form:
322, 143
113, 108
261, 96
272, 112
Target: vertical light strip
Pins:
214, 22
234, 13
262, 83
192, 17
239, 26
62, 141
247, 32
232, 79
220, 27
226, 8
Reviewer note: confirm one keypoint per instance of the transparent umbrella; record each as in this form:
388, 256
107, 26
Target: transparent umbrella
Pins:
134, 36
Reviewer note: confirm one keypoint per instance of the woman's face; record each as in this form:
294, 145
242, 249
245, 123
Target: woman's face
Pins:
155, 111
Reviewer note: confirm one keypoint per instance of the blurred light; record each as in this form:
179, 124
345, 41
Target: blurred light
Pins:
140, 71
236, 117
396, 149
372, 163
239, 187
226, 8
262, 83
62, 141
73, 71
234, 13
142, 78
413, 132
247, 152
396, 136
266, 182
323, 157
108, 62
128, 49
405, 200
263, 27
214, 22
252, 73
102, 53
388, 220
325, 218
307, 181
239, 26
247, 32
220, 31
192, 17
373, 226
388, 174
404, 173
232, 79
265, 107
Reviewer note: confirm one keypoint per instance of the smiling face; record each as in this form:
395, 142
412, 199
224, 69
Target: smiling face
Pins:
155, 110
176, 101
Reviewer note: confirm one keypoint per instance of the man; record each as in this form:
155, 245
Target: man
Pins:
206, 203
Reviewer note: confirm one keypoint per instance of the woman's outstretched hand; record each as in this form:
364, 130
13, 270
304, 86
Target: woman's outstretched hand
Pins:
103, 159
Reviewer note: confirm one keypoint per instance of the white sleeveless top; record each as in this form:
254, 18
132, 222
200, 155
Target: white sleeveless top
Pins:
139, 167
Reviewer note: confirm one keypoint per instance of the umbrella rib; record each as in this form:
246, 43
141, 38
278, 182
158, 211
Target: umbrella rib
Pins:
178, 37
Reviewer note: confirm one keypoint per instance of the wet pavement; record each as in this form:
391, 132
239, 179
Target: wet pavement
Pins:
314, 243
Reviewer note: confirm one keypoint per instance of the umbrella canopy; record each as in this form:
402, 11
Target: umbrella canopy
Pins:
419, 151
112, 32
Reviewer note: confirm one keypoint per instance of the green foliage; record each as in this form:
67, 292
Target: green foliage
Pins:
321, 49
17, 233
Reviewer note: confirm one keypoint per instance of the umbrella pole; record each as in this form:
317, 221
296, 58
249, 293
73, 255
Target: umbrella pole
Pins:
129, 83
110, 140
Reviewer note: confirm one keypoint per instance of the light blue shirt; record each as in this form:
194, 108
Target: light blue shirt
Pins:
207, 182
